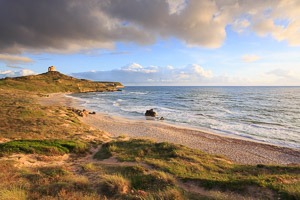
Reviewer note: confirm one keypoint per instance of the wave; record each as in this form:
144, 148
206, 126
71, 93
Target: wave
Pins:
248, 112
138, 93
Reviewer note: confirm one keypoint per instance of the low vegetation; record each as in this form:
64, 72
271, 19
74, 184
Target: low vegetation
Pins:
22, 117
56, 82
120, 169
47, 147
208, 171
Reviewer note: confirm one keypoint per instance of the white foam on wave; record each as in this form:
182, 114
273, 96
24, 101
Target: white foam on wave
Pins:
116, 104
237, 116
138, 93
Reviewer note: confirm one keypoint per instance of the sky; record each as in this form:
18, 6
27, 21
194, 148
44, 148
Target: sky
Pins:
154, 42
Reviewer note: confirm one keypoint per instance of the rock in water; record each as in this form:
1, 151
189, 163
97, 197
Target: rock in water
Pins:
150, 113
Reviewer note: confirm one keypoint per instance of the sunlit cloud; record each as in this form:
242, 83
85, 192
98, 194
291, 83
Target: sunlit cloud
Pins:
74, 26
11, 73
239, 25
13, 59
250, 58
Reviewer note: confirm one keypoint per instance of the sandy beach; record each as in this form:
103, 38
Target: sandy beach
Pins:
238, 150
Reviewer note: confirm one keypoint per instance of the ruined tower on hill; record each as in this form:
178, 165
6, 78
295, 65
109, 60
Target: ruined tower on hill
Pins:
51, 69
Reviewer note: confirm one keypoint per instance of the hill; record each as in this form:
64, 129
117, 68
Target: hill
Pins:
47, 152
54, 81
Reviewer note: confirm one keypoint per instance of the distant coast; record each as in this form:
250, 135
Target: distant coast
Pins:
238, 150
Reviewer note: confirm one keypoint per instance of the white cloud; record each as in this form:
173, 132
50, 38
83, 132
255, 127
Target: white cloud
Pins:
192, 75
13, 59
10, 73
153, 75
263, 18
198, 70
282, 73
134, 67
250, 58
279, 76
239, 25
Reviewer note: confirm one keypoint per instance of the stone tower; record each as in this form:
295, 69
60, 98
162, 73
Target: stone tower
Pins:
51, 69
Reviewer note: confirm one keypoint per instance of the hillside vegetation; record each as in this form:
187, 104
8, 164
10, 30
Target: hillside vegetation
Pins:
46, 152
54, 81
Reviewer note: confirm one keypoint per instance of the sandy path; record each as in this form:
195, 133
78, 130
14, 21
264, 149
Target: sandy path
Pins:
238, 150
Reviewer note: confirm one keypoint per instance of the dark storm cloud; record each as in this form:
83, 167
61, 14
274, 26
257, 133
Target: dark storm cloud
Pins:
74, 25
60, 25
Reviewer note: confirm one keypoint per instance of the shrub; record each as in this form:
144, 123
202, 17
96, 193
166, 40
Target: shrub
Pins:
114, 185
47, 147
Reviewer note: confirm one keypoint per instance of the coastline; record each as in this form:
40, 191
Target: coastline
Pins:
238, 150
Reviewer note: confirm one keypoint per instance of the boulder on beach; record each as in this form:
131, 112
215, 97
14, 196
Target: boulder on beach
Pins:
150, 113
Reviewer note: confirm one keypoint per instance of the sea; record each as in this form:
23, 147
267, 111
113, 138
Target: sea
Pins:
265, 114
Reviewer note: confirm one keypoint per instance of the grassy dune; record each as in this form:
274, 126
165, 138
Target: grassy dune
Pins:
115, 168
21, 117
209, 172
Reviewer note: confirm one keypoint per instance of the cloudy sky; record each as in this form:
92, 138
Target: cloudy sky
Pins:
154, 42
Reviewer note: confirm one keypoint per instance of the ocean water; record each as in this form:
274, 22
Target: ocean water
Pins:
268, 114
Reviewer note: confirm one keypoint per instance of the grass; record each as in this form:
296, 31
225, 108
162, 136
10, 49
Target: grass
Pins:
13, 193
209, 171
137, 182
21, 117
52, 82
114, 184
155, 170
89, 167
46, 147
104, 153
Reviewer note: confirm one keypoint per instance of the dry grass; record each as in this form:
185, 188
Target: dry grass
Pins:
162, 171
89, 167
204, 171
21, 117
114, 185
12, 193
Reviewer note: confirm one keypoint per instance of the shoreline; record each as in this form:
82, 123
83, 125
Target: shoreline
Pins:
239, 150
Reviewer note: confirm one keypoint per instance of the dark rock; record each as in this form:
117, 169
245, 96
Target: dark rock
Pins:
81, 113
150, 113
92, 113
162, 118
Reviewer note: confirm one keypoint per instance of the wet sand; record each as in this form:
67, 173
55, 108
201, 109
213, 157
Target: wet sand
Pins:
236, 149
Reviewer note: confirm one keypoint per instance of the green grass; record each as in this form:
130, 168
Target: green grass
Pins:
104, 153
47, 147
209, 171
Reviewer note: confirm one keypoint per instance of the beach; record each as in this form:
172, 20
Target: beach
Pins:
238, 150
